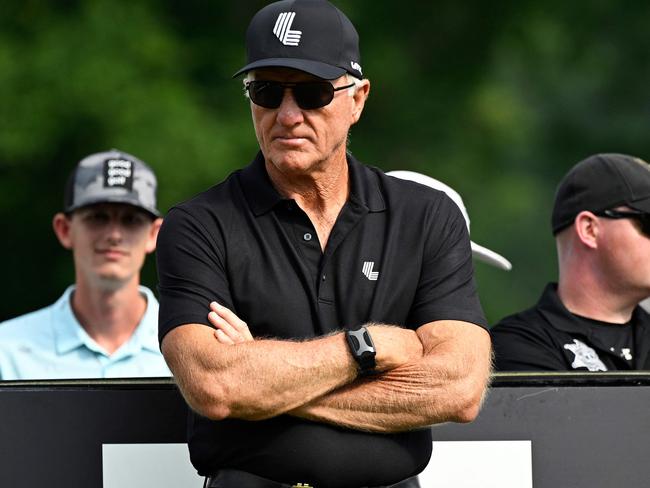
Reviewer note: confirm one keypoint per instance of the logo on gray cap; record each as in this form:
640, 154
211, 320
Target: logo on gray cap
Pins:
118, 173
112, 177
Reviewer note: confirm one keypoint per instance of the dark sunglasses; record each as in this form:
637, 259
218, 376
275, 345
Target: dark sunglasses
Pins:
308, 95
642, 217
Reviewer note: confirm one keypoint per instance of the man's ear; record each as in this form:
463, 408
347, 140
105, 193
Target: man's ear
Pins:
360, 96
153, 235
587, 227
61, 226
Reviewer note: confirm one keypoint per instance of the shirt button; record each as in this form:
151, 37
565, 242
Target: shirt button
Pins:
307, 236
323, 277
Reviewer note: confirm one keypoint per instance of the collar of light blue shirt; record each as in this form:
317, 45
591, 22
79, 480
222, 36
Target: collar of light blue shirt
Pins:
70, 335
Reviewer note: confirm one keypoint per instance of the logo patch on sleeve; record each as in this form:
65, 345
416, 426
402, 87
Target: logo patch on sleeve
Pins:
118, 173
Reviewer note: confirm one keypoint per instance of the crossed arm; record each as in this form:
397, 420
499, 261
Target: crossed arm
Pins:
436, 374
442, 385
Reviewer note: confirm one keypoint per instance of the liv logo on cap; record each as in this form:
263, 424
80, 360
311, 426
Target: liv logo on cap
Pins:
308, 35
282, 29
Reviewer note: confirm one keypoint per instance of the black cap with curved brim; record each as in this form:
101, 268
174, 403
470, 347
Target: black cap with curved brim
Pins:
601, 182
308, 35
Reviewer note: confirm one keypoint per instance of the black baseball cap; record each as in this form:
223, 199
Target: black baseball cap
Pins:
601, 182
308, 35
111, 177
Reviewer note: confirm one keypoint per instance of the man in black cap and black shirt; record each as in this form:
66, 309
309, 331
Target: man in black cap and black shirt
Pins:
363, 325
590, 320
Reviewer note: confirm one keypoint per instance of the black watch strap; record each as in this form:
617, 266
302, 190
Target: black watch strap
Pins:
362, 349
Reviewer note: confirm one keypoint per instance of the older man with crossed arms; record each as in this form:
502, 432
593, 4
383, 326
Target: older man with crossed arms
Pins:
357, 287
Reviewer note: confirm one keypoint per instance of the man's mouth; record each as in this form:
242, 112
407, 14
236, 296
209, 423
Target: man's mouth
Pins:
112, 253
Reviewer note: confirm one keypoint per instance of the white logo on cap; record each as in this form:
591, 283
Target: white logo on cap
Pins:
282, 29
118, 172
356, 66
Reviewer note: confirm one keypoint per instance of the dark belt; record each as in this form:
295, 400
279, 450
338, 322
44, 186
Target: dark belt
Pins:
232, 478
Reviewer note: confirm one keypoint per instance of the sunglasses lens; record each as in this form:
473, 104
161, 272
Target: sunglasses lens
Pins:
308, 96
313, 95
265, 93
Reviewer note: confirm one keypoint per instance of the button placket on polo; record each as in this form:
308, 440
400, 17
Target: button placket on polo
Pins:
308, 242
305, 239
324, 284
350, 216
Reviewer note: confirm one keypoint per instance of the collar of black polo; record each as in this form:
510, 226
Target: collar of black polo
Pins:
262, 196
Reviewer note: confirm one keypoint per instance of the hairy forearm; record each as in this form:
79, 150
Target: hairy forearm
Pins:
447, 384
287, 375
434, 375
257, 379
402, 399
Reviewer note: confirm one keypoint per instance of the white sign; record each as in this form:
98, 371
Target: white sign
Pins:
467, 464
479, 464
148, 466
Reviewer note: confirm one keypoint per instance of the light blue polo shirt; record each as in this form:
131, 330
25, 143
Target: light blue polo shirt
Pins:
51, 344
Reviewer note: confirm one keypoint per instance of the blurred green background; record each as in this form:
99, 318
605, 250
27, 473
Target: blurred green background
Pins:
497, 100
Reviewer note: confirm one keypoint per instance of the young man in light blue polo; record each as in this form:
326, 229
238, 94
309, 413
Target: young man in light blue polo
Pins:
105, 325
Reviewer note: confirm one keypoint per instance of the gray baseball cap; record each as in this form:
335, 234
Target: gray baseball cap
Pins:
111, 177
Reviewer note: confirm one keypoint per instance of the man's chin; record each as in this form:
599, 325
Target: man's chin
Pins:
111, 282
295, 162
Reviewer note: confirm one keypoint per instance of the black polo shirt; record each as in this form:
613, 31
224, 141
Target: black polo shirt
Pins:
547, 337
398, 253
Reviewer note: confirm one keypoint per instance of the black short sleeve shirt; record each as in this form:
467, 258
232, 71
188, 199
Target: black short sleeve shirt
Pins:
399, 253
548, 337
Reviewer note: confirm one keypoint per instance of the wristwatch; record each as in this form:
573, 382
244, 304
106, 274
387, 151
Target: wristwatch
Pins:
362, 349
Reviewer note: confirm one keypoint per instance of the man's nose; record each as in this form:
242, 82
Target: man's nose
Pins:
289, 113
114, 229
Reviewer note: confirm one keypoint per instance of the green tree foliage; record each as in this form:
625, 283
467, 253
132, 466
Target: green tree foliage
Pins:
496, 100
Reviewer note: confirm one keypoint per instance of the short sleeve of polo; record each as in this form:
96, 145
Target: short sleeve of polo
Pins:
191, 273
446, 289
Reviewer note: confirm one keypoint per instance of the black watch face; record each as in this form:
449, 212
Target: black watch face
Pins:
360, 342
362, 349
